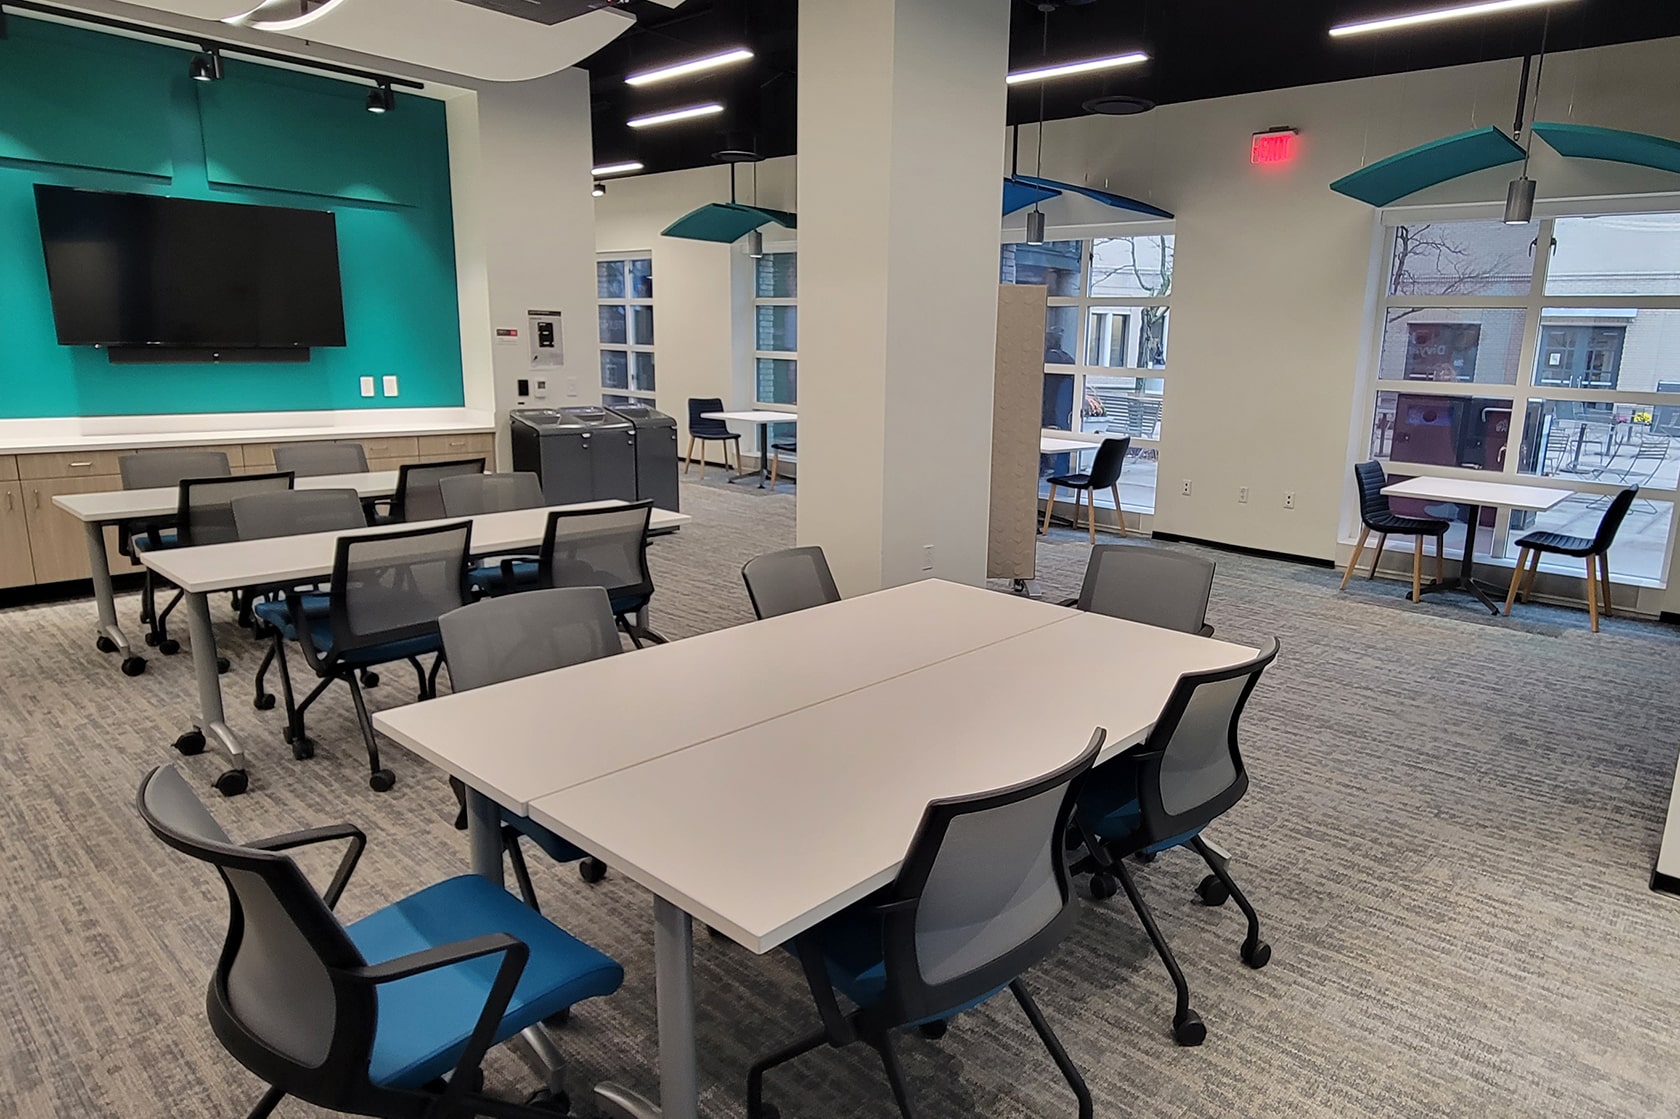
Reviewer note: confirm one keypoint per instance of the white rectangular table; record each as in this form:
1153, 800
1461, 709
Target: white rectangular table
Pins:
787, 805
1056, 445
124, 507
760, 418
200, 572
1473, 494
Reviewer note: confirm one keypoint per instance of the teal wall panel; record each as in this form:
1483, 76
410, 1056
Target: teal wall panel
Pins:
396, 256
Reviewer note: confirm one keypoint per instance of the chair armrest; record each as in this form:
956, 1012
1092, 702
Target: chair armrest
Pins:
346, 867
317, 658
1068, 602
1205, 631
835, 1022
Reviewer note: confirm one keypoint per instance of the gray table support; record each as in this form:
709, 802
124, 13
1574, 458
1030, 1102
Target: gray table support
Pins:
109, 637
212, 720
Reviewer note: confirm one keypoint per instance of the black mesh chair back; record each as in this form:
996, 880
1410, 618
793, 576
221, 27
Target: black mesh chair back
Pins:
1612, 520
1108, 461
419, 495
278, 1000
315, 460
1370, 478
789, 580
150, 470
204, 510
983, 894
394, 586
1154, 586
1190, 769
468, 495
262, 516
501, 639
604, 547
699, 425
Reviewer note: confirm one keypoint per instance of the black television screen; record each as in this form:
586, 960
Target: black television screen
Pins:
141, 270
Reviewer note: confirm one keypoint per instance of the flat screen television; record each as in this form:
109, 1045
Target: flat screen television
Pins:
139, 270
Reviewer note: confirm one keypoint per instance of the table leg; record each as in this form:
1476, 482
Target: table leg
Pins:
1466, 579
109, 637
213, 722
679, 1078
484, 835
763, 453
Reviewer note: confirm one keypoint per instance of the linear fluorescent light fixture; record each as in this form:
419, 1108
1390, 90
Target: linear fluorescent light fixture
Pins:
1067, 69
1435, 15
692, 66
616, 168
674, 115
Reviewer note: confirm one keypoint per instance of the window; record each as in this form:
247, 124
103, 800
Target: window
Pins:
1106, 324
1555, 366
776, 335
624, 288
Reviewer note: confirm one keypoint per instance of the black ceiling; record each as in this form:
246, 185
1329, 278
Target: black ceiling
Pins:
1198, 49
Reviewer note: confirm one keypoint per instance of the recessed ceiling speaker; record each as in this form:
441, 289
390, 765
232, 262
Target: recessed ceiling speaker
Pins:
1119, 105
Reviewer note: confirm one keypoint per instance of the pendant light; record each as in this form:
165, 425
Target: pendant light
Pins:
1519, 196
1035, 218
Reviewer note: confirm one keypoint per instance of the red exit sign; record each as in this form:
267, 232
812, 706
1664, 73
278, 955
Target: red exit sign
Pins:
1275, 145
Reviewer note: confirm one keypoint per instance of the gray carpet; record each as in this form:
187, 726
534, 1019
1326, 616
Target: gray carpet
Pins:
1448, 836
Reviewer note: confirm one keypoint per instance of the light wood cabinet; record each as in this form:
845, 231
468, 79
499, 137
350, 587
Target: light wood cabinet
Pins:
57, 541
404, 447
8, 468
71, 464
456, 446
17, 569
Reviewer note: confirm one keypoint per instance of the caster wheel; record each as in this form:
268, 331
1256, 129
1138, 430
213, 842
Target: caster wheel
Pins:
152, 639
223, 664
191, 743
1188, 1029
104, 644
370, 679
133, 666
264, 702
558, 1018
592, 870
1212, 891
168, 646
549, 1100
382, 780
933, 1031
1102, 887
232, 783
1145, 856
1256, 953
303, 749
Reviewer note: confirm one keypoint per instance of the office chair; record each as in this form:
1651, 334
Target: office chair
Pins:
777, 449
1154, 586
264, 516
316, 460
390, 1015
605, 548
156, 470
388, 590
789, 580
1161, 794
1375, 516
502, 639
983, 895
1105, 475
1595, 549
706, 431
419, 496
468, 495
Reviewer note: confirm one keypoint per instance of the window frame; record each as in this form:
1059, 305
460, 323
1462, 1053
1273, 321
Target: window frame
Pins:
628, 348
783, 248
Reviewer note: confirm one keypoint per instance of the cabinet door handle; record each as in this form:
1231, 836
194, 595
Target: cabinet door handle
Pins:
9, 502
37, 494
80, 465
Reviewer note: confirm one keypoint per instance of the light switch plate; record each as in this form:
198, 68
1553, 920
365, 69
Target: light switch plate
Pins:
367, 386
390, 384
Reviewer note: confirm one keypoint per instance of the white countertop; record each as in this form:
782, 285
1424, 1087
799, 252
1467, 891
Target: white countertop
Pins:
1470, 491
116, 506
119, 432
756, 416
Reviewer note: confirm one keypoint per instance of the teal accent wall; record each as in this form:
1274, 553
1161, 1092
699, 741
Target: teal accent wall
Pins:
82, 109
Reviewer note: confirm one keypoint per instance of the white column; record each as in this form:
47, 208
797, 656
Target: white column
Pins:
901, 118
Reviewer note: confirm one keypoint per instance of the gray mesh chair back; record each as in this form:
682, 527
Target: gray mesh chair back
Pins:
983, 894
393, 586
789, 580
604, 548
419, 496
315, 460
204, 511
262, 516
501, 639
1191, 770
150, 470
1154, 586
468, 495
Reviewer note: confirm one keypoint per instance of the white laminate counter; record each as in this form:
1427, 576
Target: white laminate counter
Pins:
18, 437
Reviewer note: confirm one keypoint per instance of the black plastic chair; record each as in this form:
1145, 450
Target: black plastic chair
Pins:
390, 1015
1161, 794
983, 895
777, 449
1153, 586
705, 431
1375, 516
1105, 475
789, 580
1595, 549
604, 548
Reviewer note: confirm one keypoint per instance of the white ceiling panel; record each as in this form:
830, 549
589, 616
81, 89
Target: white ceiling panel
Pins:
203, 9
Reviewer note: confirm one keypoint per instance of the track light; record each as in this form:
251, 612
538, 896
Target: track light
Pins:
675, 115
693, 66
755, 243
599, 189
206, 66
1519, 201
380, 99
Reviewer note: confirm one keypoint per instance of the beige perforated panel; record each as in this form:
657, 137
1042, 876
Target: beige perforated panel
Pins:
1017, 405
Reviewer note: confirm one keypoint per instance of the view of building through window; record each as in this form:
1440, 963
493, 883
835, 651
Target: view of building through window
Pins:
776, 336
624, 289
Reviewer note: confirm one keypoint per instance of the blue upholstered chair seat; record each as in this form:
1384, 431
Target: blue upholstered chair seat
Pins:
426, 1020
851, 943
277, 614
142, 541
560, 850
1108, 803
488, 574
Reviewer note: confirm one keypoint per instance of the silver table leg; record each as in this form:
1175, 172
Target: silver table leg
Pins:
212, 721
679, 1078
105, 595
484, 835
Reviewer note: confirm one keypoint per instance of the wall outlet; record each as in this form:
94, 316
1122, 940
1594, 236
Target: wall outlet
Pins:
927, 557
1186, 487
1242, 496
367, 386
1289, 500
390, 384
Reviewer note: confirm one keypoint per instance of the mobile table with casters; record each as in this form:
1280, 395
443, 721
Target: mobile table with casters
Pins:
762, 419
99, 510
285, 560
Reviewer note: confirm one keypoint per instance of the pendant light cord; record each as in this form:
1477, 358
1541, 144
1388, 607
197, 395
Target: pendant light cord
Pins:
1044, 54
1539, 74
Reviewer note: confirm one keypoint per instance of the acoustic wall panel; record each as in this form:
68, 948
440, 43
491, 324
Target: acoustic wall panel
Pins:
1017, 406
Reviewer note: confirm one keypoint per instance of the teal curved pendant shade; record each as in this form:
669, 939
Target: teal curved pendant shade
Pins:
1589, 141
727, 222
1021, 191
1389, 180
